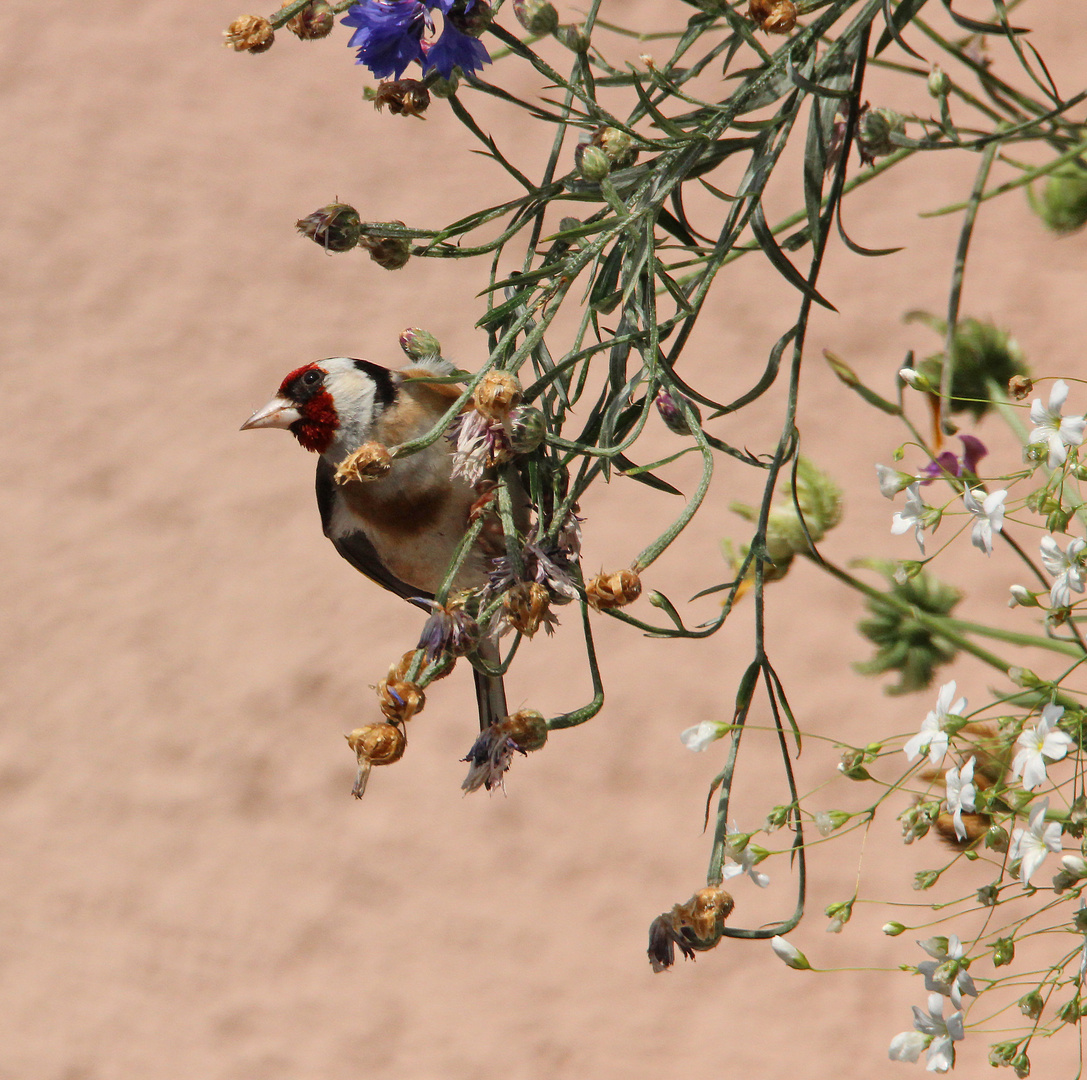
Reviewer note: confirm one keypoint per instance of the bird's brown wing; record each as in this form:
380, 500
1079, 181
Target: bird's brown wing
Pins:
355, 547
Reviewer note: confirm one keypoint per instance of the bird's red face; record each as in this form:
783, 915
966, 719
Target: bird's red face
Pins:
304, 406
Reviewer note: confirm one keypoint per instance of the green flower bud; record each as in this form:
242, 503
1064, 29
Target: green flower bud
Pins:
1031, 1004
443, 88
996, 838
591, 162
893, 929
938, 83
536, 16
1063, 202
876, 129
336, 227
1001, 1054
618, 145
839, 914
982, 354
419, 343
529, 430
987, 895
1021, 1066
672, 415
1069, 1012
1003, 951
925, 879
573, 37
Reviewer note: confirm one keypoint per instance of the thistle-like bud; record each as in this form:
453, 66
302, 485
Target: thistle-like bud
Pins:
672, 414
389, 252
315, 20
443, 88
618, 145
1063, 202
526, 606
419, 344
496, 393
470, 17
982, 354
876, 129
591, 162
404, 97
336, 227
939, 84
399, 701
371, 461
536, 16
249, 33
528, 430
773, 16
377, 744
615, 590
573, 37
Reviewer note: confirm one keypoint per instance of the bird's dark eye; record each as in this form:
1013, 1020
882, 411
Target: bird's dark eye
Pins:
311, 377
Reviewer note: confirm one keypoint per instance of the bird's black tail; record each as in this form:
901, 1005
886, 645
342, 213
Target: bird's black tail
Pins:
490, 691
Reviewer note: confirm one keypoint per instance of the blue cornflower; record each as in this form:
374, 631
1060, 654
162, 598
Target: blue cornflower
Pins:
389, 36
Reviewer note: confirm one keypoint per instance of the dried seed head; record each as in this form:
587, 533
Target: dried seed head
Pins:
614, 590
371, 461
336, 227
405, 97
315, 20
389, 252
536, 16
526, 606
1020, 386
399, 701
249, 33
527, 728
377, 744
496, 394
773, 16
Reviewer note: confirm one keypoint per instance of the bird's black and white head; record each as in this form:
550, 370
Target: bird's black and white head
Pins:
330, 406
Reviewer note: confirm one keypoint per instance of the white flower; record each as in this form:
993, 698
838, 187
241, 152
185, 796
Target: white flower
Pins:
1021, 596
912, 516
792, 956
701, 735
960, 794
1056, 431
988, 517
914, 379
891, 481
1065, 568
741, 861
907, 1046
1033, 843
941, 950
945, 1033
932, 737
1039, 743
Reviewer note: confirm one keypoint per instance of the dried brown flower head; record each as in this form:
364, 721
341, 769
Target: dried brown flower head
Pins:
1020, 386
496, 394
399, 700
389, 252
526, 606
314, 21
773, 16
249, 33
614, 590
371, 461
404, 97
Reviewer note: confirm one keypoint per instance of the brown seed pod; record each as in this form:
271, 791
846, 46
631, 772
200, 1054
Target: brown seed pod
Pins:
389, 252
398, 672
377, 744
773, 16
496, 394
399, 701
249, 33
1019, 386
614, 590
314, 21
526, 606
527, 728
371, 461
705, 913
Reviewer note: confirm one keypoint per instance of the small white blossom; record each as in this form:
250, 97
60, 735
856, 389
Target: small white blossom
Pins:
907, 1046
1032, 844
1066, 569
1056, 431
932, 738
988, 517
914, 379
792, 956
941, 950
741, 861
960, 794
912, 516
891, 481
701, 735
945, 1033
1039, 743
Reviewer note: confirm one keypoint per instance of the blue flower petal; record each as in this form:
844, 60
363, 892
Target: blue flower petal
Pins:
389, 34
455, 49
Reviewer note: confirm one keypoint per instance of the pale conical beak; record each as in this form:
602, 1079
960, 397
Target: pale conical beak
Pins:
279, 412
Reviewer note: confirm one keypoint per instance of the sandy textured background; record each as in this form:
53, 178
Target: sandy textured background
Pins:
188, 889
